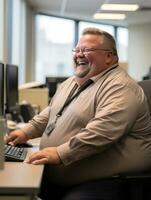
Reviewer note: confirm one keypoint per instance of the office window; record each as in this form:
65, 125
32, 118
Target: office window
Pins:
15, 36
122, 44
2, 30
54, 43
83, 25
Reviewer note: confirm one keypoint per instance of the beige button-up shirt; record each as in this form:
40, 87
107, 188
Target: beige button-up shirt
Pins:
104, 131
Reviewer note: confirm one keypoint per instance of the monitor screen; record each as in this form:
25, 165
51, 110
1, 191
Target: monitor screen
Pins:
52, 84
1, 89
11, 88
1, 115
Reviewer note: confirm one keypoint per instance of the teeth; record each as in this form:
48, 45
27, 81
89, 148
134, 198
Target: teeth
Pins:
81, 63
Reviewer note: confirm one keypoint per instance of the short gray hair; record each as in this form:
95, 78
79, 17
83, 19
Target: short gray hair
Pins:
108, 37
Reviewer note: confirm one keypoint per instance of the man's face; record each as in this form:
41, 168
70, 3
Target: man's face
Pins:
90, 56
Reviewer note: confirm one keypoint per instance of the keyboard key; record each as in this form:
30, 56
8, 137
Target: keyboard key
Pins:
15, 153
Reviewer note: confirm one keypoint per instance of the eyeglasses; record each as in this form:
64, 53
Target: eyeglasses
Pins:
88, 50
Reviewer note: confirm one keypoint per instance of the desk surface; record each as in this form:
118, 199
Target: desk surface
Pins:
20, 178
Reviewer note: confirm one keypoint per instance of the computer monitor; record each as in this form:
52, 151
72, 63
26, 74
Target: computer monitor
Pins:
52, 84
2, 121
1, 89
12, 105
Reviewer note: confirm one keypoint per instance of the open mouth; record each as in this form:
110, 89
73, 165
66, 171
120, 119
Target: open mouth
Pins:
81, 62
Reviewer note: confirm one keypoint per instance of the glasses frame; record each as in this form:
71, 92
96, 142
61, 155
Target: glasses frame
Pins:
88, 50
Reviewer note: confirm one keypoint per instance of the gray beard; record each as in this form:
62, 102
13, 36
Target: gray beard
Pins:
82, 74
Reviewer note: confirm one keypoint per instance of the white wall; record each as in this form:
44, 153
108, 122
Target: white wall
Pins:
139, 50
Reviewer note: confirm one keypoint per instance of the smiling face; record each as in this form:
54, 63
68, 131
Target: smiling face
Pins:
91, 56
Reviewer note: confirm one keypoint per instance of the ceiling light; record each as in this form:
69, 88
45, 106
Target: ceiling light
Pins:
109, 16
121, 7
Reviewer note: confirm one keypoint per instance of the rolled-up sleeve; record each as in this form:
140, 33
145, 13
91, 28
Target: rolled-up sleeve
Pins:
37, 125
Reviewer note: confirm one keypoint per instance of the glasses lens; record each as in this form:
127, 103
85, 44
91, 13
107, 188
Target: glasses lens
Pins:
88, 50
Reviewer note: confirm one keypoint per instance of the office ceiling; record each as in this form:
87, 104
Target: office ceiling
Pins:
85, 9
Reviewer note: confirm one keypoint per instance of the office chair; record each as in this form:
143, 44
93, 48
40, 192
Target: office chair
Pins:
146, 85
26, 111
139, 185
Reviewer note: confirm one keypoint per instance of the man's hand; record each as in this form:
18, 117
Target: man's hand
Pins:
47, 155
16, 137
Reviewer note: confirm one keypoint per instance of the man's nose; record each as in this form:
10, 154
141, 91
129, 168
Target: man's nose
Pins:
80, 53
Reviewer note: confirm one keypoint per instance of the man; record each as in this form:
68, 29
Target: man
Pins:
101, 130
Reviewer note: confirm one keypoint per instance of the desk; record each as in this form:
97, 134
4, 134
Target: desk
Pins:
19, 180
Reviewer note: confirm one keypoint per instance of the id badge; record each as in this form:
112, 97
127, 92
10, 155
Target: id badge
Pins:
50, 128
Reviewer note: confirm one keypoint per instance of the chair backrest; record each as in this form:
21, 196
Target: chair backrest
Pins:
146, 85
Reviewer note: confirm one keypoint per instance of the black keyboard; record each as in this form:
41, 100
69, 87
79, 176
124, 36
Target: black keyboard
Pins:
15, 153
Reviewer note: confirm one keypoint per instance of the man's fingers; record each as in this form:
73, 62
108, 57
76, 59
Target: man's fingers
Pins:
35, 156
9, 138
41, 161
37, 159
45, 156
15, 141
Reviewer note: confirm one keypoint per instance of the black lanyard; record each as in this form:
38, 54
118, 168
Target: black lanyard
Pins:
70, 97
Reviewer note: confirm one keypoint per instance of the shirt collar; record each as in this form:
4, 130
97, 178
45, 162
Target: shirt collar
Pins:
97, 77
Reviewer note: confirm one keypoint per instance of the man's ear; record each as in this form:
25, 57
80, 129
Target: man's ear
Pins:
109, 57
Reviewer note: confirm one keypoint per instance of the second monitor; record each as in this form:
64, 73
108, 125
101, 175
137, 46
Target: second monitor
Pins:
1, 89
12, 106
2, 121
